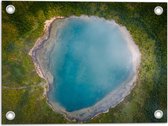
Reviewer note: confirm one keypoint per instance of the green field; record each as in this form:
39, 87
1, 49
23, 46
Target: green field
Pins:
21, 86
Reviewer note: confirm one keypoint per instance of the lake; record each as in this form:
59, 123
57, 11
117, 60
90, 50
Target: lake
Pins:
89, 60
90, 64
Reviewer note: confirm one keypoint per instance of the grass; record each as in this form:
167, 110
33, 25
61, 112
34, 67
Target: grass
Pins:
26, 25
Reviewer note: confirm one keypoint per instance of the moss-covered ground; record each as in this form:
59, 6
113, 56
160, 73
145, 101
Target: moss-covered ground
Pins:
21, 91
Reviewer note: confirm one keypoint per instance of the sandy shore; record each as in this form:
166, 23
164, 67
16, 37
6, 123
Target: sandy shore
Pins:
40, 41
110, 101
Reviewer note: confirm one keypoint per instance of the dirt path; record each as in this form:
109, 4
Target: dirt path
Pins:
23, 87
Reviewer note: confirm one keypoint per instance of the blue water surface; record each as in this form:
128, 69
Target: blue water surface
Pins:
89, 60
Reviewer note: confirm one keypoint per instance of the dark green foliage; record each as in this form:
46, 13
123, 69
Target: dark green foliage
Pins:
148, 30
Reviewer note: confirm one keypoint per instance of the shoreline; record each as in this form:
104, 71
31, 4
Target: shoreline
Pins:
38, 43
111, 100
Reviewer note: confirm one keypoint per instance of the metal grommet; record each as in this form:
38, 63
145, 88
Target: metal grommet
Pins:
158, 10
10, 9
158, 114
10, 115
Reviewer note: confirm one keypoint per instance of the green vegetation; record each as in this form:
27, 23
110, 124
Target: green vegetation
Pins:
20, 31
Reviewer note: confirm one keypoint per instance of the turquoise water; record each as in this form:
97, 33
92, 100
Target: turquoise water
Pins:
89, 60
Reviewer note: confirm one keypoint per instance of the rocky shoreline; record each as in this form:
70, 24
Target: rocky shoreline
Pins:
110, 101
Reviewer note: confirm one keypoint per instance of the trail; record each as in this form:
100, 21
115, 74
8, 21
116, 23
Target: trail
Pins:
23, 87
